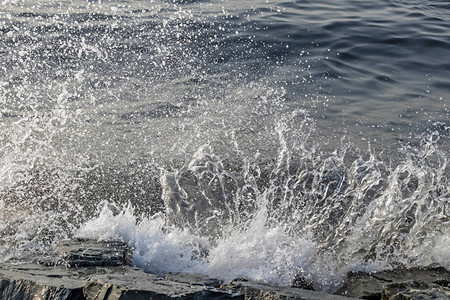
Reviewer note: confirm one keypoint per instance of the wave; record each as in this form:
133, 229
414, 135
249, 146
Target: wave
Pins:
227, 139
304, 214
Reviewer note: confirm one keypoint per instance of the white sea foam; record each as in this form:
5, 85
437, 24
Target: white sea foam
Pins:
441, 250
257, 253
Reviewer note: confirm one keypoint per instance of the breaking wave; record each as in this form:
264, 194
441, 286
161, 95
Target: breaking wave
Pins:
307, 213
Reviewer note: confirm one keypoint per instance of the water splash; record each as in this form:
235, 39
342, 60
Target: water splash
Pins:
308, 213
85, 127
39, 177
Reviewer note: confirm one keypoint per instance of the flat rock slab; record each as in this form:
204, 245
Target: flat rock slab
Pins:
385, 285
255, 290
414, 290
91, 253
84, 269
193, 279
31, 281
134, 284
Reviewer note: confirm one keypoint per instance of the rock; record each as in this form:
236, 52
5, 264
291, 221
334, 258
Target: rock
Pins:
363, 286
371, 285
91, 253
414, 290
49, 278
193, 279
135, 284
302, 282
255, 290
31, 281
85, 269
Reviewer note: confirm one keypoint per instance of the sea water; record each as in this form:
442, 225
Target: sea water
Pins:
256, 139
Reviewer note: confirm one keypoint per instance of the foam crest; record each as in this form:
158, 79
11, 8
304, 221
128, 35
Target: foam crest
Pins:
260, 253
257, 253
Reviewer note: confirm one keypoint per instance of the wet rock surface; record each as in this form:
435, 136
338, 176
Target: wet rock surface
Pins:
414, 290
135, 284
193, 279
427, 283
85, 252
256, 290
33, 281
84, 269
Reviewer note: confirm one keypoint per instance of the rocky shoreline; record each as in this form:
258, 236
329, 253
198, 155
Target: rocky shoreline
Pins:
85, 269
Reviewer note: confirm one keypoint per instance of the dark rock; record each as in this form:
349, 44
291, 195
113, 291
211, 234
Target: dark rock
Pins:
30, 281
85, 269
33, 281
414, 290
91, 253
193, 279
255, 290
444, 283
135, 284
302, 282
427, 275
362, 286
370, 285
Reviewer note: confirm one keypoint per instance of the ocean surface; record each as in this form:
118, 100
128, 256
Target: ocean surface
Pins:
256, 139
